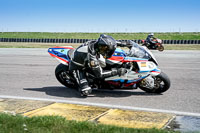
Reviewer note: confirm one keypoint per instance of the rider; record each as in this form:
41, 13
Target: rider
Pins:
149, 39
86, 57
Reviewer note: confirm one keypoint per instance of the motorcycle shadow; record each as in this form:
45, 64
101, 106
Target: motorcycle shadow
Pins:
73, 93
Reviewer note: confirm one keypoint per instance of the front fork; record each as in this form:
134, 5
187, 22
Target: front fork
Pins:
150, 81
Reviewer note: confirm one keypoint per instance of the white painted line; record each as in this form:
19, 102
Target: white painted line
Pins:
105, 105
184, 68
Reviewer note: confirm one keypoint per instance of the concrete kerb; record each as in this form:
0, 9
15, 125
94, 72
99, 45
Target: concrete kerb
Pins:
102, 115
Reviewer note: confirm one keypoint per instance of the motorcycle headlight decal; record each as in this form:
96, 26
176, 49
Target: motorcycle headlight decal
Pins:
151, 65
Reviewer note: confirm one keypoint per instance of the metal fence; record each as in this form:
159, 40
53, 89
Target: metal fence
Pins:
85, 40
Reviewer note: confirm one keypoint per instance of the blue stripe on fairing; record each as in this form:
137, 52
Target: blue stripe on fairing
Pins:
121, 80
134, 58
57, 52
120, 52
157, 70
144, 71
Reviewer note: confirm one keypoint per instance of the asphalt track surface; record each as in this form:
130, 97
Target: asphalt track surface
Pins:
29, 73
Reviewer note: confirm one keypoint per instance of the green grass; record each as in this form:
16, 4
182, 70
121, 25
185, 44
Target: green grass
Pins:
181, 47
122, 36
34, 45
56, 124
48, 45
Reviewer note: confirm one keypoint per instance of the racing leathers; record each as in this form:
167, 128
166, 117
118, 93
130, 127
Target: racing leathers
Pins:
86, 57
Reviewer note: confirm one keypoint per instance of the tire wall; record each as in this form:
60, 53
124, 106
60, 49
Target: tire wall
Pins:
85, 40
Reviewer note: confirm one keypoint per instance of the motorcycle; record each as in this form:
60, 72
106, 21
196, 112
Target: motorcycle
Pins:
140, 63
157, 44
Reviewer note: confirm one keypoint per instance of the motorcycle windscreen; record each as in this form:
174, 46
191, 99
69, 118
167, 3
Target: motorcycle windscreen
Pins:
138, 51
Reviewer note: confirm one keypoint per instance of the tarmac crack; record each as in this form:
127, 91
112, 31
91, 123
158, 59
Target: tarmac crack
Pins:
95, 119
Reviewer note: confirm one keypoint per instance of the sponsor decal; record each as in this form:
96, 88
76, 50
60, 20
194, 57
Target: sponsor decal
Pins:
143, 64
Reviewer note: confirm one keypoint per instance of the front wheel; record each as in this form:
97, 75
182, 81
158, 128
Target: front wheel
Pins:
161, 84
64, 77
160, 48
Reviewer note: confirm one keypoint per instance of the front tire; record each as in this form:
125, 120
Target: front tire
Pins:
64, 77
161, 84
160, 48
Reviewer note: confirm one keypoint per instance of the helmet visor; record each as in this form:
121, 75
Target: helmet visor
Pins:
106, 52
103, 49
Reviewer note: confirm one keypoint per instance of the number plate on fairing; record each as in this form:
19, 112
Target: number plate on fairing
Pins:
143, 64
146, 66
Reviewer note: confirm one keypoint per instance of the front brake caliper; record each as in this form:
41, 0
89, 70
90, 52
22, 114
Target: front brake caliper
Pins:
148, 82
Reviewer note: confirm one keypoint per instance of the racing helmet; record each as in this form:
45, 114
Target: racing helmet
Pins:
151, 34
106, 46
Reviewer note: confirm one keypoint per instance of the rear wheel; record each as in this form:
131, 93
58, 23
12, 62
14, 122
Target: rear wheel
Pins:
161, 84
63, 76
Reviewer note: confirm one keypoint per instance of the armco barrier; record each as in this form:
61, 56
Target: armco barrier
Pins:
47, 40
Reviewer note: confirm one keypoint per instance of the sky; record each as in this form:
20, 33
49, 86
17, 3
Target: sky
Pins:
99, 15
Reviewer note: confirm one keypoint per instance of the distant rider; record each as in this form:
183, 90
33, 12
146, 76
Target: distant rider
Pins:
86, 57
149, 39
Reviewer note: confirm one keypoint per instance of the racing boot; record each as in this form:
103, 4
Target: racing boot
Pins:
86, 91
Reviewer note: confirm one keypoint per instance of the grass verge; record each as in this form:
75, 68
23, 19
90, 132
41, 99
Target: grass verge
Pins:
123, 36
34, 45
56, 124
182, 47
48, 45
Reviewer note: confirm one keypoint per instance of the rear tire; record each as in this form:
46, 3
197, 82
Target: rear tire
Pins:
63, 76
161, 84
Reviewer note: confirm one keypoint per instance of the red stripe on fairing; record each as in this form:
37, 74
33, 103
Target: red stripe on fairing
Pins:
59, 58
114, 83
116, 58
129, 84
119, 58
155, 71
63, 47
